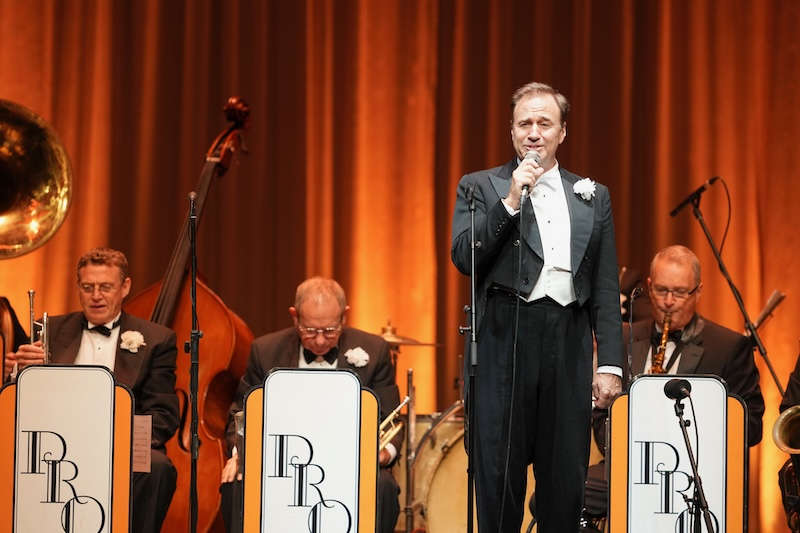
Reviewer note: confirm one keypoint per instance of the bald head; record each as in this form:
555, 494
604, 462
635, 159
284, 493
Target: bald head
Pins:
319, 313
319, 290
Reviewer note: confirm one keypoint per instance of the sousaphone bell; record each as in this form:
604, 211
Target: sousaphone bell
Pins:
35, 181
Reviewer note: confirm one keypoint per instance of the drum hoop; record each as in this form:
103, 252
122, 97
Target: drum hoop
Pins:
438, 421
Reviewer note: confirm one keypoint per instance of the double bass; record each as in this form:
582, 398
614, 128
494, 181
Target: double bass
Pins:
224, 348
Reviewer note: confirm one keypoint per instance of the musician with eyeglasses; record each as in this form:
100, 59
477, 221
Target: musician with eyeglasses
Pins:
139, 353
320, 338
693, 344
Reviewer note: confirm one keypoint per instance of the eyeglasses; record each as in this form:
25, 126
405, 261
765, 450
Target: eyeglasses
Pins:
328, 333
678, 294
105, 288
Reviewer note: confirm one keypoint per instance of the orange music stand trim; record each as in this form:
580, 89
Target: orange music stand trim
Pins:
736, 464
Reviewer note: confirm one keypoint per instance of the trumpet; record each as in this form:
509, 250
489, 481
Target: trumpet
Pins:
657, 365
390, 425
43, 336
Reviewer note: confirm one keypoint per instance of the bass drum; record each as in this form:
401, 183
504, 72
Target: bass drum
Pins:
440, 475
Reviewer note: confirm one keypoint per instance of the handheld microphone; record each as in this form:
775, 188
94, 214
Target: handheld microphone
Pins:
534, 155
692, 197
677, 389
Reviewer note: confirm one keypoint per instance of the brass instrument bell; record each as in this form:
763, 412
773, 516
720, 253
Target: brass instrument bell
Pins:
36, 181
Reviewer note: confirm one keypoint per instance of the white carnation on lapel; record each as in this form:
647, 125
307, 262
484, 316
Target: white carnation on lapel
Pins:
585, 188
131, 340
357, 357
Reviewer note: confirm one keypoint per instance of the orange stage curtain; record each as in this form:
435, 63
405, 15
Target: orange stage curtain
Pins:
365, 115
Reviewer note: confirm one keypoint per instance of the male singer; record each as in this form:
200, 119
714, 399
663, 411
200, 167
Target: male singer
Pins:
547, 280
139, 353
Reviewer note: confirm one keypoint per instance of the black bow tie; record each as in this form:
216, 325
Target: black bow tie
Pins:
101, 329
330, 357
674, 336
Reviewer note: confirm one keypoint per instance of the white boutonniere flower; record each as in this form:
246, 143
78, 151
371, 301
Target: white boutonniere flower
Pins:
357, 357
585, 188
131, 340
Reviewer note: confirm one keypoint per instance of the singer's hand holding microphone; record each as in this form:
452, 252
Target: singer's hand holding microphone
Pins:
524, 178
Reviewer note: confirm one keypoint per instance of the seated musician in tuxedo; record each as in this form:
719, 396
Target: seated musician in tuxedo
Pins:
139, 353
695, 344
320, 339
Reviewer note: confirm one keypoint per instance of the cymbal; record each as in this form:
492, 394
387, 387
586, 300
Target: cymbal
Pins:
389, 334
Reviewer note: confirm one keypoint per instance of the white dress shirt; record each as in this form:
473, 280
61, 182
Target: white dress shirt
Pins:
97, 349
668, 351
314, 364
552, 217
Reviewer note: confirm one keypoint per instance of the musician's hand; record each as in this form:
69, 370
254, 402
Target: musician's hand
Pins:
525, 174
28, 354
230, 471
605, 387
384, 457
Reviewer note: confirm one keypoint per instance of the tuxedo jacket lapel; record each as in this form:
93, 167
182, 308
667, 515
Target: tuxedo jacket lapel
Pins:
347, 343
64, 349
690, 358
641, 346
581, 218
640, 349
127, 365
502, 183
290, 357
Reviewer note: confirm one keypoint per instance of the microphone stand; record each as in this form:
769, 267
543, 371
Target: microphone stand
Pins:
193, 347
748, 324
473, 359
699, 498
634, 294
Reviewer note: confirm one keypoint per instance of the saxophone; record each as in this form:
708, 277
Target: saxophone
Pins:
657, 365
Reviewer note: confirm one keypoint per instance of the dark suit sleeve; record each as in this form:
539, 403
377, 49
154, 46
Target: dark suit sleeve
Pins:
252, 377
605, 314
741, 375
384, 385
493, 224
156, 395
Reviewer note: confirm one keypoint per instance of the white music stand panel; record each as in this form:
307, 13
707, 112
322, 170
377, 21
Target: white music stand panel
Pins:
311, 451
659, 470
65, 446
